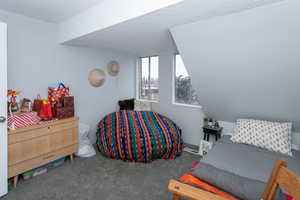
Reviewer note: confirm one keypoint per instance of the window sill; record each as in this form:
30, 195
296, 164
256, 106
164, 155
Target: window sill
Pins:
187, 105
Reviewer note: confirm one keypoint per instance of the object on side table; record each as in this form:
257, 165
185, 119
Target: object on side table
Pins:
26, 105
64, 112
210, 122
22, 120
207, 130
13, 106
45, 110
204, 147
68, 101
37, 104
56, 91
65, 107
205, 121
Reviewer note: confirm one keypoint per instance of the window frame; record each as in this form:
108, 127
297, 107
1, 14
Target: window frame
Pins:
138, 75
174, 88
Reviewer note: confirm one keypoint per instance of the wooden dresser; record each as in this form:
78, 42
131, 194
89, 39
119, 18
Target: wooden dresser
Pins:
37, 145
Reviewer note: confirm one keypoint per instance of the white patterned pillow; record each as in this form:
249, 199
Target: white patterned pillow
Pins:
273, 136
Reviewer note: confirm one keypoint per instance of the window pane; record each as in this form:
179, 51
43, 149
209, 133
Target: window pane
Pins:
184, 92
154, 78
144, 78
149, 78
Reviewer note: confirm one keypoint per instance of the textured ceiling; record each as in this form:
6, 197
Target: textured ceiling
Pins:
47, 10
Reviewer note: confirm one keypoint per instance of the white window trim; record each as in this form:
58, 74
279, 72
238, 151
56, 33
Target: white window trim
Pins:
146, 100
173, 88
137, 80
187, 105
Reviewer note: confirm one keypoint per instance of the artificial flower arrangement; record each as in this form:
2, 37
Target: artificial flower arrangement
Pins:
13, 98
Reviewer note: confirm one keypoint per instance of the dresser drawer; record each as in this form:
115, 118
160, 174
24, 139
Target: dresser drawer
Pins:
27, 135
63, 138
40, 131
62, 127
41, 160
35, 147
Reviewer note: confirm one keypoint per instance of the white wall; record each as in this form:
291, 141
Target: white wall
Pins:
35, 60
246, 64
188, 118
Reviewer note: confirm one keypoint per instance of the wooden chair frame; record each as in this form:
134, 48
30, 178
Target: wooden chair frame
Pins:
280, 177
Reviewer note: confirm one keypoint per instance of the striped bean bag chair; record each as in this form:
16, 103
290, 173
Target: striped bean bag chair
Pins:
139, 136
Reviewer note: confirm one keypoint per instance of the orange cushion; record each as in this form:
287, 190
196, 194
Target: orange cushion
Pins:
188, 178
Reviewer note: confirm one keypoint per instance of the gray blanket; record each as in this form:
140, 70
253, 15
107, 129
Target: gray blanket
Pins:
241, 170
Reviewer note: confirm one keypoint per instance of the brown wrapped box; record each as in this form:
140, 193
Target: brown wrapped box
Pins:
65, 108
68, 101
64, 112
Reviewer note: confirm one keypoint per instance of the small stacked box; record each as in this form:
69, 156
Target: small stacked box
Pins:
64, 108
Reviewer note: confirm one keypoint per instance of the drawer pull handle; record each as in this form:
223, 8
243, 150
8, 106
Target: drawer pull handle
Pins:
47, 157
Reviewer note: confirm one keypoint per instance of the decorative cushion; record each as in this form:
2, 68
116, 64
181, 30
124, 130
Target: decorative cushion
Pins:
142, 105
127, 104
273, 136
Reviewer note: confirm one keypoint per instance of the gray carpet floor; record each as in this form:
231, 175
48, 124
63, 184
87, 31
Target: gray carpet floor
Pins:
104, 179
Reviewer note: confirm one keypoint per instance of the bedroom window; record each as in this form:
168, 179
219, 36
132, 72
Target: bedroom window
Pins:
184, 94
148, 78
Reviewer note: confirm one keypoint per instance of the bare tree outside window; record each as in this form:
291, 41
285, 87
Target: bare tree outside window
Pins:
149, 78
184, 92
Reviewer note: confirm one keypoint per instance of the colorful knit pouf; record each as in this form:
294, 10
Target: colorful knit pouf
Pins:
139, 136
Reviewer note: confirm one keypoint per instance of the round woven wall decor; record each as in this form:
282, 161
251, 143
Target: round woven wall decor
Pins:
97, 77
113, 68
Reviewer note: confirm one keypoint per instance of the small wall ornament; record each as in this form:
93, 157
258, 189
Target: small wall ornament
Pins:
113, 68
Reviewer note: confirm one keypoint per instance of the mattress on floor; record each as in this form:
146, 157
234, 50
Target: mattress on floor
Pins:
241, 170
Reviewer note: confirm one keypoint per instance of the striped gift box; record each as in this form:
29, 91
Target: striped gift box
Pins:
22, 120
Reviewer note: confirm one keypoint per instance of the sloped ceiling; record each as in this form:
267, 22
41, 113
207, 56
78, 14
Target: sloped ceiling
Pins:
246, 64
149, 34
